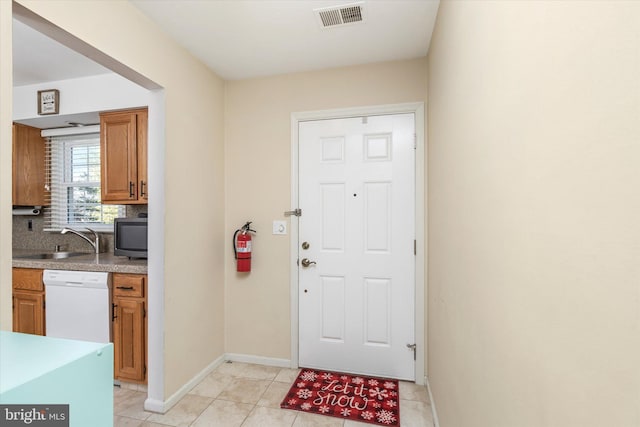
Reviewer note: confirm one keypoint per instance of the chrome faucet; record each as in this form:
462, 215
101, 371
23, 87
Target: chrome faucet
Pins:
95, 244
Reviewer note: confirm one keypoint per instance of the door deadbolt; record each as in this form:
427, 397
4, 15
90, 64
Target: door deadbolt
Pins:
305, 245
306, 263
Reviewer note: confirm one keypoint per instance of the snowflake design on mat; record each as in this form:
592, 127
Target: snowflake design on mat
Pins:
378, 393
367, 415
309, 376
304, 393
385, 417
352, 397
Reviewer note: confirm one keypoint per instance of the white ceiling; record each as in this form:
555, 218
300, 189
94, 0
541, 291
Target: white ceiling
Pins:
240, 39
248, 38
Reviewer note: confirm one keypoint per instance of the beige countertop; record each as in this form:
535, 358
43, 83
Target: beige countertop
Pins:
89, 262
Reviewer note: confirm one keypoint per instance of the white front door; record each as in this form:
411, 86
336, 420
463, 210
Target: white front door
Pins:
356, 245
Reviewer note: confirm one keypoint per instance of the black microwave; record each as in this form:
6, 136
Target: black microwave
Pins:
130, 237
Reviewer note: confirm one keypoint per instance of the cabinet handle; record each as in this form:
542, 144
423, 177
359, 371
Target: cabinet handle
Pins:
131, 185
142, 185
125, 288
113, 311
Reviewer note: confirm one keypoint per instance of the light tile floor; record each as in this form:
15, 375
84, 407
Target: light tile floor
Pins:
240, 394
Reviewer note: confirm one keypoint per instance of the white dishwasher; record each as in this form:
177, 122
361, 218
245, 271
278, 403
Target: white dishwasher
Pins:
78, 305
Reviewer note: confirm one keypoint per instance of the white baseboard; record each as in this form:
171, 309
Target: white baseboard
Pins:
436, 422
258, 360
162, 407
154, 405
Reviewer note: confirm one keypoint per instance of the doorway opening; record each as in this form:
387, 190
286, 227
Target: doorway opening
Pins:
156, 161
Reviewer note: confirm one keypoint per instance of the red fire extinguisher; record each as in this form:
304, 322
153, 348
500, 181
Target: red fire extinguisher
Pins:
242, 247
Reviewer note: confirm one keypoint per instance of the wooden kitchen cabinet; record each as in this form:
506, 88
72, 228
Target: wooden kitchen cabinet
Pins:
123, 157
28, 301
130, 327
28, 166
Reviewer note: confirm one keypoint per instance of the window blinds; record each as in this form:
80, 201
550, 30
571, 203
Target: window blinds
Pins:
72, 177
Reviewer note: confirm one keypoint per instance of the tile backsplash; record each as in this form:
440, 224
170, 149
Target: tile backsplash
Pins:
36, 238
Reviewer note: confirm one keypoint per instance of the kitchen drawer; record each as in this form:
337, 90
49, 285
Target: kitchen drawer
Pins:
128, 285
28, 279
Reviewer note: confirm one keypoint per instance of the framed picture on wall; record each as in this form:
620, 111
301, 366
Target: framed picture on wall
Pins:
48, 101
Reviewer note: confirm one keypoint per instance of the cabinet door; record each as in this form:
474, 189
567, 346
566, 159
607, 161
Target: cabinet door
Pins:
143, 184
28, 166
28, 312
119, 173
129, 339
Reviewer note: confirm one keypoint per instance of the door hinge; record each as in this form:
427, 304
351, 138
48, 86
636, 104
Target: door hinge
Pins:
415, 251
415, 141
412, 347
295, 212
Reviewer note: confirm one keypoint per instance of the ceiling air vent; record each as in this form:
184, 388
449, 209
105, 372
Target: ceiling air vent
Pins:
329, 17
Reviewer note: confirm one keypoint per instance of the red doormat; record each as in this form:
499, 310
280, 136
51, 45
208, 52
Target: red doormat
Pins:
351, 397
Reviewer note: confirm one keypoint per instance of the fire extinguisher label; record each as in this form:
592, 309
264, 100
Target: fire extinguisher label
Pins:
243, 246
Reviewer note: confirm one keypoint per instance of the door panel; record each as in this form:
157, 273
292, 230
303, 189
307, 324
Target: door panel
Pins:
333, 216
377, 217
377, 311
333, 314
356, 192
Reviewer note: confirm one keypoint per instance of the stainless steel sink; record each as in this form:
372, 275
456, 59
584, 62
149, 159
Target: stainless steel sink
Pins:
52, 255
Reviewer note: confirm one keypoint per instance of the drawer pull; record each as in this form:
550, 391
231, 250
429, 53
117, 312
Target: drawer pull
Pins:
125, 288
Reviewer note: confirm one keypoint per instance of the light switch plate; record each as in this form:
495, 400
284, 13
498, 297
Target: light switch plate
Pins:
279, 227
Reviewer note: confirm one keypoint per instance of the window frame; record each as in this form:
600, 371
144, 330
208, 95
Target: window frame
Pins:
59, 168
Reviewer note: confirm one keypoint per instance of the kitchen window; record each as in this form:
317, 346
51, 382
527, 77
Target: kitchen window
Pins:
73, 177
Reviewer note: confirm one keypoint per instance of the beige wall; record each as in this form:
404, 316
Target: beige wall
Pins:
194, 174
258, 182
534, 207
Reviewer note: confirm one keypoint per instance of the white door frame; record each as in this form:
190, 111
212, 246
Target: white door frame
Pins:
420, 217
